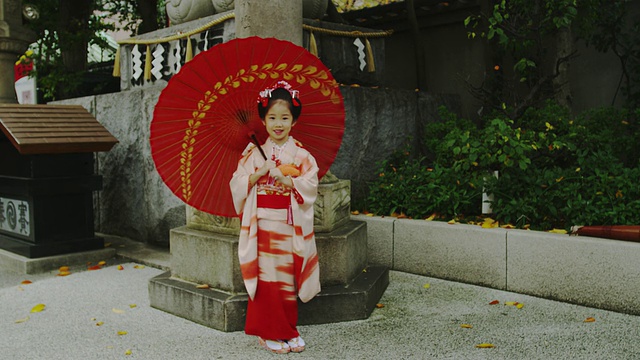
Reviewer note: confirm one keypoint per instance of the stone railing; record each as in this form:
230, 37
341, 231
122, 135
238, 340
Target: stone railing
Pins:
594, 272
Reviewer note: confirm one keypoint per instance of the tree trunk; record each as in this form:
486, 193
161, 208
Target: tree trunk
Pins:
418, 46
73, 33
564, 50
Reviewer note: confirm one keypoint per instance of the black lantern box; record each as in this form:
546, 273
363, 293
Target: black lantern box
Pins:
47, 178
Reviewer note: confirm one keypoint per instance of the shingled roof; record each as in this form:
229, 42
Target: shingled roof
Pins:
53, 129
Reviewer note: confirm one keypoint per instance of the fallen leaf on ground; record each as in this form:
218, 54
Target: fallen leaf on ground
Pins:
133, 305
99, 323
64, 273
22, 320
485, 346
511, 303
117, 311
202, 286
379, 306
590, 319
102, 263
494, 302
430, 218
120, 267
95, 267
451, 222
369, 214
520, 305
138, 266
122, 332
38, 308
355, 212
466, 326
426, 286
489, 223
128, 352
558, 231
63, 268
25, 282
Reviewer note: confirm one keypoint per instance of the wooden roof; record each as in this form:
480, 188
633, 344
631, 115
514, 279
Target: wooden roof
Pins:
53, 129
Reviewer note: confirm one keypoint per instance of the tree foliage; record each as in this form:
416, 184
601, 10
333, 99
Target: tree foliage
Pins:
66, 28
533, 42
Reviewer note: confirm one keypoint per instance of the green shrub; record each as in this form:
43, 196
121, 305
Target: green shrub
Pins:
554, 170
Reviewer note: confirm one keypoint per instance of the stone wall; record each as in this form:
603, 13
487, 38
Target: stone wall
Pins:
135, 203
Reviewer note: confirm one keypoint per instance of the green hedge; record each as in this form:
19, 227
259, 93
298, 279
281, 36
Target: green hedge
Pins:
555, 170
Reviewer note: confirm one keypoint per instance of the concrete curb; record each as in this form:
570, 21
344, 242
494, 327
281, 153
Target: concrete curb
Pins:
594, 272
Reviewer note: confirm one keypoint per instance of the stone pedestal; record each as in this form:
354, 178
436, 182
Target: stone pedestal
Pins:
205, 252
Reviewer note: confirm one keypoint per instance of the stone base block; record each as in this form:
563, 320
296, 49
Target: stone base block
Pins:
342, 253
226, 312
211, 258
206, 257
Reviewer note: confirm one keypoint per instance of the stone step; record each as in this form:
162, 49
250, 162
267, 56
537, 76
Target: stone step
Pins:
226, 311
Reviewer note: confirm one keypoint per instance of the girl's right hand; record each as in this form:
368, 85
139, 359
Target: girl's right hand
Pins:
268, 165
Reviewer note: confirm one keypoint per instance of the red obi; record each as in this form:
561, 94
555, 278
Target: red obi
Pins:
273, 201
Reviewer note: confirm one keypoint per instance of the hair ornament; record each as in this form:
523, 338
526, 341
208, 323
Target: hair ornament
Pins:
265, 94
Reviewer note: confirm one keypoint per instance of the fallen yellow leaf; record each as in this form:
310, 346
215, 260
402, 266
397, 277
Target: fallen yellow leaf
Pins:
370, 214
520, 305
489, 223
120, 267
64, 273
63, 268
451, 222
117, 311
485, 346
511, 303
22, 320
558, 231
590, 319
101, 263
355, 212
122, 332
138, 266
426, 286
128, 352
133, 305
466, 326
202, 286
431, 217
38, 308
507, 226
99, 323
379, 306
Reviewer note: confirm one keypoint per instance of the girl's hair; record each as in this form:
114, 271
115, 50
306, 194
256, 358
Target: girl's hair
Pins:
280, 93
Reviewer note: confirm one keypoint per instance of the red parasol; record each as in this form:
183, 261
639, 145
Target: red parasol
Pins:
203, 118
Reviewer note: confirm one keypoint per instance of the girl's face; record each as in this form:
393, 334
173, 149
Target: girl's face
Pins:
279, 122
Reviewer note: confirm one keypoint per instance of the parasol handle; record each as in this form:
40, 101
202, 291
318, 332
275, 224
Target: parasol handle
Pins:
253, 137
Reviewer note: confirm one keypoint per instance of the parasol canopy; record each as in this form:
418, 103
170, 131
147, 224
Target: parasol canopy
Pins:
203, 118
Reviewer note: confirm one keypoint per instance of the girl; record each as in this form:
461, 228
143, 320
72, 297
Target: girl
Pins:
273, 190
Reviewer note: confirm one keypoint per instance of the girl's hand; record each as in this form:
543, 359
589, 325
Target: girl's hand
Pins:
277, 174
265, 169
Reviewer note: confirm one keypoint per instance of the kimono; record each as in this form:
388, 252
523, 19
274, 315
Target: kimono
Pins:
277, 249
